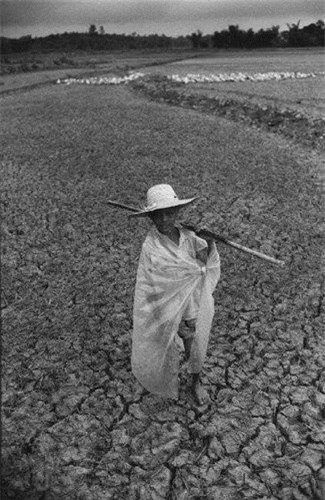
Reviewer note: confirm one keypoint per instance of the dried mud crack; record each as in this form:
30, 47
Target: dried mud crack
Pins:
74, 423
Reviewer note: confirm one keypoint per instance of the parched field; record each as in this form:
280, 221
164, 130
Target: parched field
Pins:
75, 425
306, 95
53, 65
310, 59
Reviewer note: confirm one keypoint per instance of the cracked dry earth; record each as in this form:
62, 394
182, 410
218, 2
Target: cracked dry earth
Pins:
75, 423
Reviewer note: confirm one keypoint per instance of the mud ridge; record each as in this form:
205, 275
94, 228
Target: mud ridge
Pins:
295, 125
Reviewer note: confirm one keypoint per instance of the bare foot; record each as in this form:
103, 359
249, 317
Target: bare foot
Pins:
140, 391
200, 394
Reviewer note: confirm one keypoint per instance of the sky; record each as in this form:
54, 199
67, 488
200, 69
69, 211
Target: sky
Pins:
169, 17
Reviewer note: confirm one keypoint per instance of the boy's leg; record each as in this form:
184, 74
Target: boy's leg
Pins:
188, 336
187, 346
200, 394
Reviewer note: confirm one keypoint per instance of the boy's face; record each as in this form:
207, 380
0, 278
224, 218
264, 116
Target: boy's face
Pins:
165, 219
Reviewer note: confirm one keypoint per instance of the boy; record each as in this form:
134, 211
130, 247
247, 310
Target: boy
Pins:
177, 274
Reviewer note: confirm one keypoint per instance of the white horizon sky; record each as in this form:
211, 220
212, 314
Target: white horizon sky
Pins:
171, 17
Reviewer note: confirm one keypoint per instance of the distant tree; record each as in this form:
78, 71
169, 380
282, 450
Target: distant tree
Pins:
274, 35
206, 41
196, 39
92, 30
267, 38
293, 34
320, 25
249, 39
236, 36
312, 35
181, 41
216, 40
233, 37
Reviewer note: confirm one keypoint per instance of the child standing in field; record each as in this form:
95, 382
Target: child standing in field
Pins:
177, 273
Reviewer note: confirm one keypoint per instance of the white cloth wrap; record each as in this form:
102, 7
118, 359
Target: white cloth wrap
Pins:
166, 280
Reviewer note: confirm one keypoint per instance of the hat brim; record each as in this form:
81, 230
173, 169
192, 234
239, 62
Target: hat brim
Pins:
178, 203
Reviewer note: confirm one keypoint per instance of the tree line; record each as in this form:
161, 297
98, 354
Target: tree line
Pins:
234, 37
231, 38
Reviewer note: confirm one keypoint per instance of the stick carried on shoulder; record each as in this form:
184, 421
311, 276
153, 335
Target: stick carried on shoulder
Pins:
208, 234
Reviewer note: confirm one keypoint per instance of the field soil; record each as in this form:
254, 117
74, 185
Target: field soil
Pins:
304, 96
24, 71
293, 107
249, 61
76, 425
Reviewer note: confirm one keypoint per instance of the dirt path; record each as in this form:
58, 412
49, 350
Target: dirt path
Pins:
74, 425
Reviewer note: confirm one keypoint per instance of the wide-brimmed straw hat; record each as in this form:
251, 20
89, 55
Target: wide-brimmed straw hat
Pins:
162, 196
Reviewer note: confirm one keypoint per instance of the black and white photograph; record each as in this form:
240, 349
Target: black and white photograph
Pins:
162, 249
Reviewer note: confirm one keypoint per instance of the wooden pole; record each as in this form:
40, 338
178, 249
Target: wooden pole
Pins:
211, 235
121, 205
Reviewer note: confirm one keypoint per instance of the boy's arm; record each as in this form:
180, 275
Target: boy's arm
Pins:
203, 248
204, 253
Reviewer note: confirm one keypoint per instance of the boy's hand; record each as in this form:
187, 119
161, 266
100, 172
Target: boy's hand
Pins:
205, 252
210, 244
202, 255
